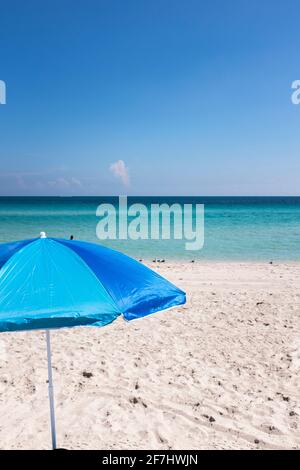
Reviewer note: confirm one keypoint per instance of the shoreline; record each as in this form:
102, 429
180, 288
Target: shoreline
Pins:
219, 261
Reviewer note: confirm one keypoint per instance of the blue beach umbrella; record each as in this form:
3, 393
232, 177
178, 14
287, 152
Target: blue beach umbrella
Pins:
50, 283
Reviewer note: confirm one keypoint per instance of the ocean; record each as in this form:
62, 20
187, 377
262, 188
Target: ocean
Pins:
235, 228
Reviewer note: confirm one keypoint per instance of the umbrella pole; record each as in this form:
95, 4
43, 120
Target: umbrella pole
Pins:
50, 391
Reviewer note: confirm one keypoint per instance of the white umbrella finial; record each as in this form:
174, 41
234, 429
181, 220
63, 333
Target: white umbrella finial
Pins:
43, 235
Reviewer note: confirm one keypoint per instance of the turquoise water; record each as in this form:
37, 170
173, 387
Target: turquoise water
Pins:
236, 228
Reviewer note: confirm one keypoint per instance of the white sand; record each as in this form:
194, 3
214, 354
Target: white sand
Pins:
221, 372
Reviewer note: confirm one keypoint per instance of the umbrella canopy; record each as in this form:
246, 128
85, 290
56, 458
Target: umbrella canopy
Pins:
54, 283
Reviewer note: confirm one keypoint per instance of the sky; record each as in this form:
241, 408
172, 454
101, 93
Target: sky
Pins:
161, 97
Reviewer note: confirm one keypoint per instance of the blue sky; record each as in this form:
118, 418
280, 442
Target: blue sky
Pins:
137, 97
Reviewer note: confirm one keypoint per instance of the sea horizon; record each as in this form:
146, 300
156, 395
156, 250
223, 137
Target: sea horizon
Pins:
261, 228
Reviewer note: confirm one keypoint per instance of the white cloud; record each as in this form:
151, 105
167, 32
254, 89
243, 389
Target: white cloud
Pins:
63, 182
59, 182
120, 171
76, 182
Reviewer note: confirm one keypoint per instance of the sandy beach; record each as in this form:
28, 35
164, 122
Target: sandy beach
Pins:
221, 372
